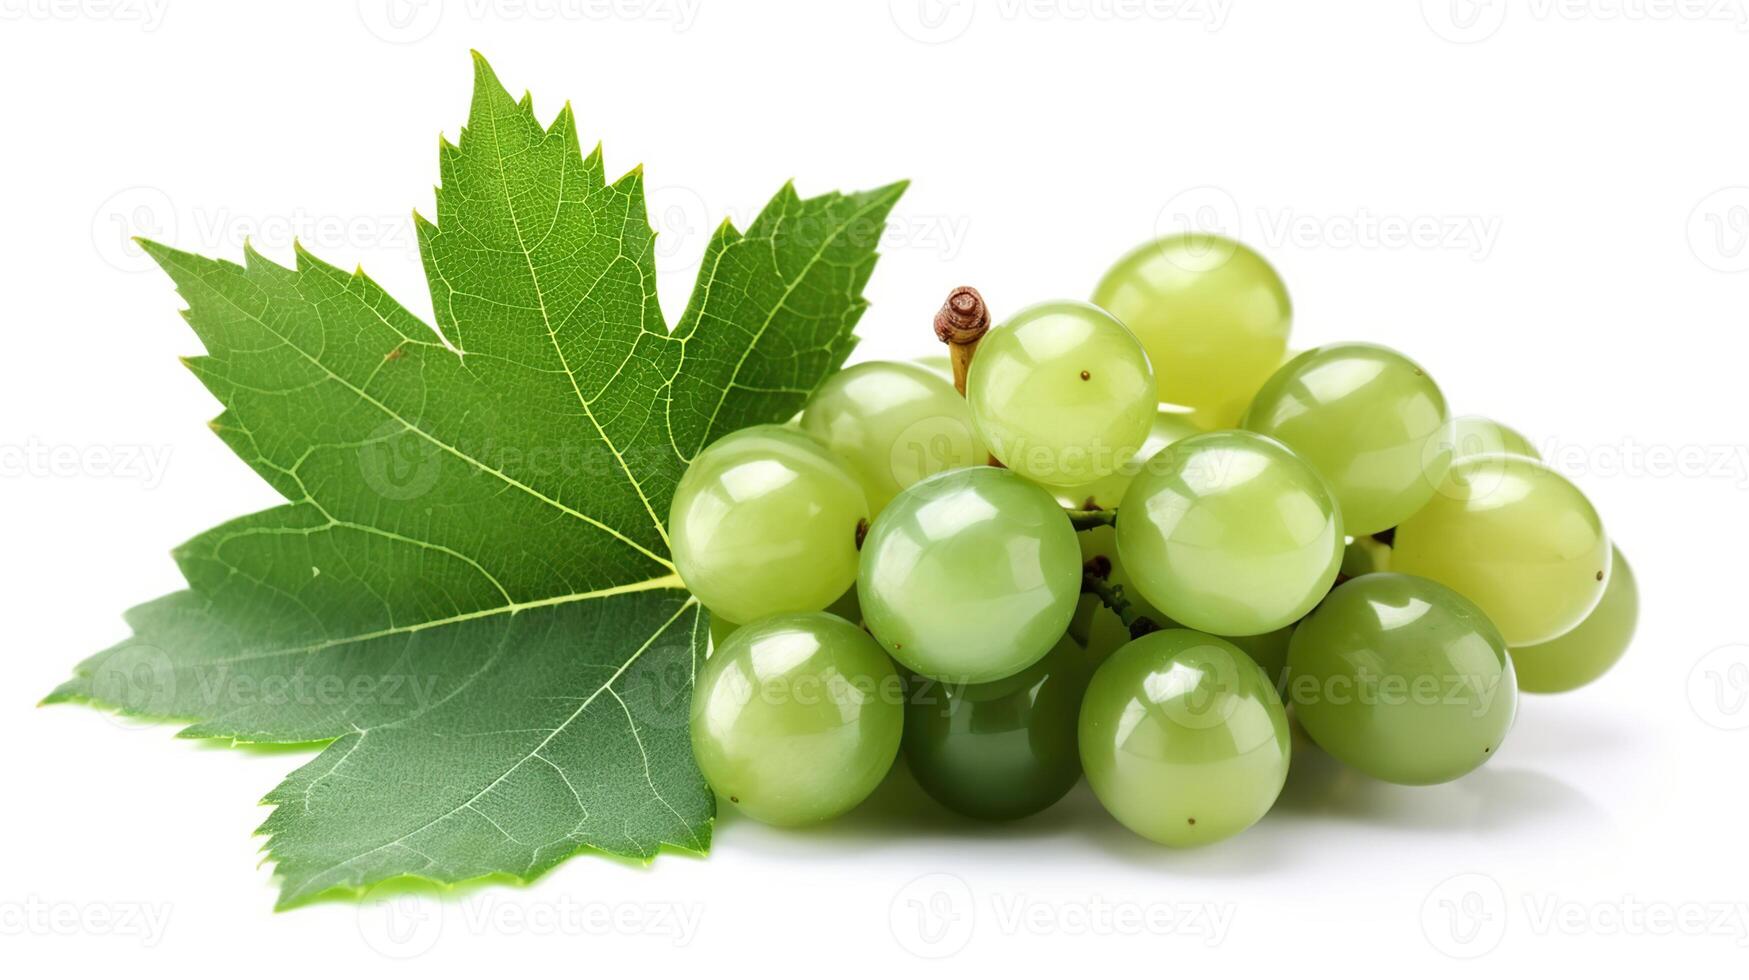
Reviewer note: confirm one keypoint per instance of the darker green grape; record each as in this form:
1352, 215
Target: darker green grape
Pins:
1402, 678
1002, 749
1585, 652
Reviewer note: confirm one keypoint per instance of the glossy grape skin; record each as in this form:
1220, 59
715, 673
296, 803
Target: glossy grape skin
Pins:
1369, 420
1171, 423
894, 424
1062, 393
1212, 314
1515, 538
1004, 749
970, 576
797, 718
1183, 738
1403, 679
1230, 533
1473, 435
1587, 651
765, 521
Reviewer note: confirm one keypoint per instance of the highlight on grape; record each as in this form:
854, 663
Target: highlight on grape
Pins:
1139, 540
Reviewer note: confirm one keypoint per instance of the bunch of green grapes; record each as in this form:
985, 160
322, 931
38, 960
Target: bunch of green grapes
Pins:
1122, 539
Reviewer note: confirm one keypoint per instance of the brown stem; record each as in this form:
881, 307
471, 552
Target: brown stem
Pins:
961, 323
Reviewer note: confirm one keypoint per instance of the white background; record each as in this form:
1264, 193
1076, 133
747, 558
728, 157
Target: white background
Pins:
1546, 203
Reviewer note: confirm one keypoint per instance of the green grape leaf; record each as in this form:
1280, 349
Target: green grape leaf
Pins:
468, 593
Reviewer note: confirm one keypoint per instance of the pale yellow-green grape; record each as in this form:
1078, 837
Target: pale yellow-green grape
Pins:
895, 424
765, 521
1514, 537
970, 576
1213, 315
1230, 533
1587, 651
1183, 738
1368, 419
797, 718
1171, 423
1473, 435
1062, 393
1403, 679
1364, 556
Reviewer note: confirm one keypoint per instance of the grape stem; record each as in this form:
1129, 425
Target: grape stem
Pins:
1095, 581
1088, 519
961, 323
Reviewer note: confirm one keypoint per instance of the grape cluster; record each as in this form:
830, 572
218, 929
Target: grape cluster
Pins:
1135, 536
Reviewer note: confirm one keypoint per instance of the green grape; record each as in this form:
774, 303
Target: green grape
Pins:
1584, 653
970, 576
1403, 679
1364, 556
1183, 738
1002, 749
1515, 538
1473, 435
1213, 315
895, 424
1369, 420
1171, 423
1062, 393
765, 521
797, 718
1230, 533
